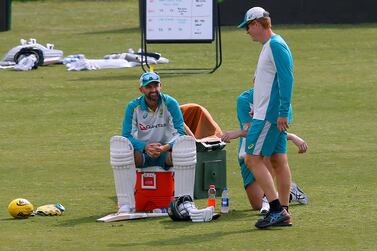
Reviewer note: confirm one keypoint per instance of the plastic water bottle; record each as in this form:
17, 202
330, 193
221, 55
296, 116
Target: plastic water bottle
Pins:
212, 196
225, 201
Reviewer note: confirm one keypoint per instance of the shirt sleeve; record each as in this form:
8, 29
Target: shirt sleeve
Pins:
284, 66
128, 123
177, 118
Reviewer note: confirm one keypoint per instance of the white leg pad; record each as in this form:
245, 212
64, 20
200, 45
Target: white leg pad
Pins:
123, 163
184, 162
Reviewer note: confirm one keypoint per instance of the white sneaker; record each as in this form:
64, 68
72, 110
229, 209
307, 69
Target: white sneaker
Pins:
265, 206
298, 195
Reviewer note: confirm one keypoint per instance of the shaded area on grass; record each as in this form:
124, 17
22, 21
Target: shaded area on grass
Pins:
113, 31
132, 77
189, 239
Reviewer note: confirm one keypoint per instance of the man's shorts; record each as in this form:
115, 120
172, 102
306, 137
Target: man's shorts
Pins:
247, 176
159, 161
265, 139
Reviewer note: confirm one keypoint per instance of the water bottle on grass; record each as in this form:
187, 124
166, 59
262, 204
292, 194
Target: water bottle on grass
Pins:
212, 196
225, 201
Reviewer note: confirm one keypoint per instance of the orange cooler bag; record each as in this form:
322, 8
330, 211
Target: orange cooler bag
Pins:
154, 188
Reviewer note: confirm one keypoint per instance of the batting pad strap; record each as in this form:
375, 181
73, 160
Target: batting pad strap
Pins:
184, 162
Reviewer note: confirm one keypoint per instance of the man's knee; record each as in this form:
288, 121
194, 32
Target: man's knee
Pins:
279, 161
252, 160
184, 160
122, 161
121, 152
255, 195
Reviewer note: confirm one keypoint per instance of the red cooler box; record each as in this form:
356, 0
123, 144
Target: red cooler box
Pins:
154, 188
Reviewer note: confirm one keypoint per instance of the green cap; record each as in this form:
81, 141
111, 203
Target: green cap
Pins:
148, 77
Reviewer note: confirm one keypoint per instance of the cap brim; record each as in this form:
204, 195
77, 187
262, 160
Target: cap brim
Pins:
243, 24
150, 81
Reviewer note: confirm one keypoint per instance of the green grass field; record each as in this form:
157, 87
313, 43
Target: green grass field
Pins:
55, 127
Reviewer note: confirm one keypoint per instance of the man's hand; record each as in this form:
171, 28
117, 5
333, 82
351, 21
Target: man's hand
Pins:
283, 124
300, 143
153, 149
227, 136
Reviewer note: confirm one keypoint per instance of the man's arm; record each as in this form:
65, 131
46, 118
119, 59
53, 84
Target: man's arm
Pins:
177, 118
128, 124
284, 67
299, 142
228, 136
244, 115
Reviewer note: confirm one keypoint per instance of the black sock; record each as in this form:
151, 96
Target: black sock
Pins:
286, 208
275, 206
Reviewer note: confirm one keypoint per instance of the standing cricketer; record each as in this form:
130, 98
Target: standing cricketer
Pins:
267, 136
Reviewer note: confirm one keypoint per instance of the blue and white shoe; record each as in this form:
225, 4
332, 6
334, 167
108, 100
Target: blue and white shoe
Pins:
273, 219
297, 195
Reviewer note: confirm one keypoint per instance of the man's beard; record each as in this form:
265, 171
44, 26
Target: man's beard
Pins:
152, 97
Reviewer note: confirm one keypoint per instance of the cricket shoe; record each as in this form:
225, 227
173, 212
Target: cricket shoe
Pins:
265, 206
286, 223
272, 219
297, 195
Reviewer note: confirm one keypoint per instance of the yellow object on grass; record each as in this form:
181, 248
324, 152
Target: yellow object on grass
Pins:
50, 210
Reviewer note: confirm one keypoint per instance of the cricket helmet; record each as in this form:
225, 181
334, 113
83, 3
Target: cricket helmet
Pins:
20, 208
24, 52
180, 207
